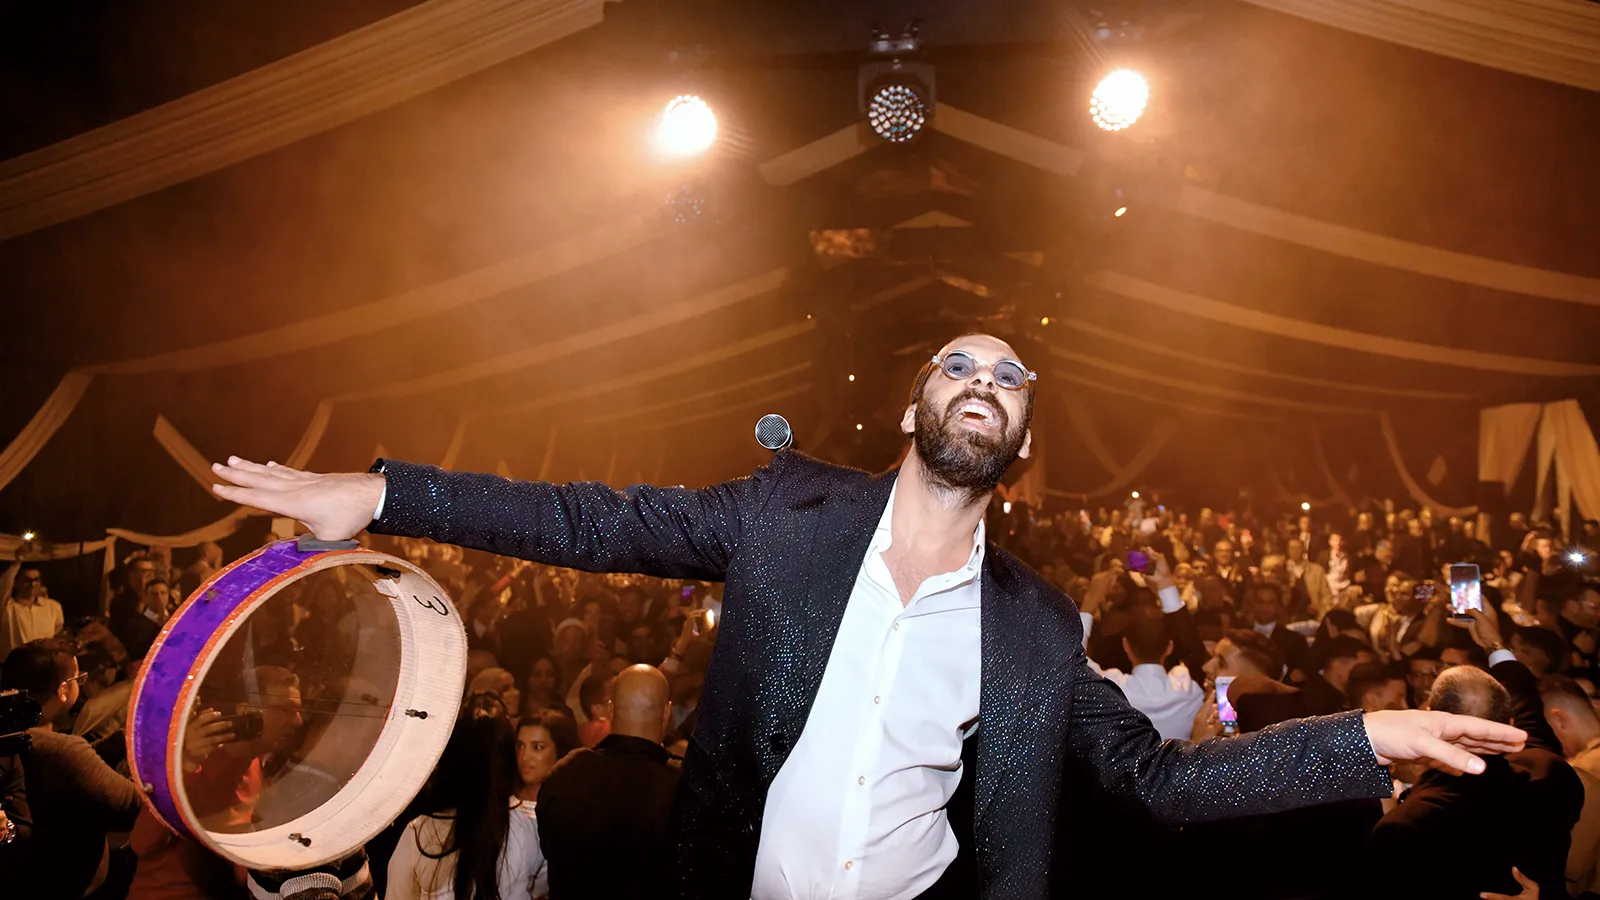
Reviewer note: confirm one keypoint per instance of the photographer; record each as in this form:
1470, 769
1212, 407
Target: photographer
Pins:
76, 799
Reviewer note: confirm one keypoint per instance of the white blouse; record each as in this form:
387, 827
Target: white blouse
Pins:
415, 876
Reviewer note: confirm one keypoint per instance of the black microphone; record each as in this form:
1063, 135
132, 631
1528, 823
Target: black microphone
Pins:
773, 432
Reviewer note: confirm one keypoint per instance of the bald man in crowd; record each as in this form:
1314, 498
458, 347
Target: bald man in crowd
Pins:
1518, 814
604, 813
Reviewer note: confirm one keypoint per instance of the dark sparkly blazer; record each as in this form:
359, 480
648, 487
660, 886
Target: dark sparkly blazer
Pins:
789, 542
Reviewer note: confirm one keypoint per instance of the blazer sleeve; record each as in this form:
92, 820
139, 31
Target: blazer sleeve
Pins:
1293, 764
665, 532
1527, 707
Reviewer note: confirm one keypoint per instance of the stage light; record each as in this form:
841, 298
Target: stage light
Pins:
688, 127
1121, 211
852, 378
1006, 507
858, 426
1119, 99
1576, 556
1135, 495
1044, 320
27, 536
1305, 507
897, 112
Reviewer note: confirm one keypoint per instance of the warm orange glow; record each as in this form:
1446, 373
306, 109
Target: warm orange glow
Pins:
1121, 211
858, 426
1044, 320
852, 378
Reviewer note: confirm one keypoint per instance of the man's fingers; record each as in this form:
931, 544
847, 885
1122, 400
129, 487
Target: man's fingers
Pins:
249, 477
1483, 732
1522, 879
1449, 755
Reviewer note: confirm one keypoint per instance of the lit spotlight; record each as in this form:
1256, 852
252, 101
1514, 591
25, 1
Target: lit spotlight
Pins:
1006, 507
1121, 211
1576, 556
1305, 507
1044, 320
688, 127
897, 113
1135, 495
858, 426
27, 536
1119, 99
852, 378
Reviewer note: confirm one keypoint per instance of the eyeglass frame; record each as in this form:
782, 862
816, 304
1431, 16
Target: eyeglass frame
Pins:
1029, 376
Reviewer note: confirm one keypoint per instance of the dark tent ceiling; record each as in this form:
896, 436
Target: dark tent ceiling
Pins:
649, 347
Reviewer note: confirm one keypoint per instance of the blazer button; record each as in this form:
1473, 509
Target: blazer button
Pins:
779, 743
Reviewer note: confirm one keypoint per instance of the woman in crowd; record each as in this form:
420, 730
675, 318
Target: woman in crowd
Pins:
475, 842
543, 680
543, 739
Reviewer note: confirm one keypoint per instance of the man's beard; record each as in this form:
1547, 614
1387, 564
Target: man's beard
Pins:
960, 459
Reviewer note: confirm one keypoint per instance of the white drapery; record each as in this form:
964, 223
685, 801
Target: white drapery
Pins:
1556, 40
1567, 446
1412, 487
1505, 433
1160, 434
354, 75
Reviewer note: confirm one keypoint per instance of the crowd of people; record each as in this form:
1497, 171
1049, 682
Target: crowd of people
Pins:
582, 694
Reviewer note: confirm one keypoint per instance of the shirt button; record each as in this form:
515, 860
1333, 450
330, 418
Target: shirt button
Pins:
876, 700
848, 865
897, 626
861, 779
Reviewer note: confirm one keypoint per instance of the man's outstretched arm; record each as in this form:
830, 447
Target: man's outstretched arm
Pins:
1290, 765
668, 532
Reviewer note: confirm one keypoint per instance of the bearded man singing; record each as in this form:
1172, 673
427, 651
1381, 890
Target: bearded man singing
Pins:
870, 635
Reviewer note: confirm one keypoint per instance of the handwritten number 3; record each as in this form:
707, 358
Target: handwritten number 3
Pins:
443, 610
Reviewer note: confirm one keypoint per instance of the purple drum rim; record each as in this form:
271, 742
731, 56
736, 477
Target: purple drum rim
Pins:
171, 663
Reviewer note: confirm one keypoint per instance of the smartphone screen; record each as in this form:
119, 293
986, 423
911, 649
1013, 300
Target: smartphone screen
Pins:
1226, 714
1424, 591
1465, 592
1138, 561
686, 593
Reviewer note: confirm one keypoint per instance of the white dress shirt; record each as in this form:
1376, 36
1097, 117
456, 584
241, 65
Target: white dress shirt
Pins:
857, 810
1169, 699
21, 622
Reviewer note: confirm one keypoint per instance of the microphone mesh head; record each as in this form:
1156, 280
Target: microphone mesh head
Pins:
773, 432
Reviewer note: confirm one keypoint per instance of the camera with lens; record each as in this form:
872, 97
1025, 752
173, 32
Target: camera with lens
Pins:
18, 713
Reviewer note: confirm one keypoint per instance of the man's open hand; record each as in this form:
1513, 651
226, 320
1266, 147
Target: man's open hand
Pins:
335, 506
1440, 739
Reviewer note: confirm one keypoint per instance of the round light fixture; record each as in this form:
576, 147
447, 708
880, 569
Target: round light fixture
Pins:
897, 113
1119, 99
688, 127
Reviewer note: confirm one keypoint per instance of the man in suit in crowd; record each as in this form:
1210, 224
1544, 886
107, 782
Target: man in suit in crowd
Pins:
870, 635
1268, 616
1519, 814
604, 813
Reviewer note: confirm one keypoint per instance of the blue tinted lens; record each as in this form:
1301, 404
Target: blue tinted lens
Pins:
1008, 374
959, 366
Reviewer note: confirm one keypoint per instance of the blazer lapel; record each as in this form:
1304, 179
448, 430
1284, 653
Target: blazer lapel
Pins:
845, 526
1006, 637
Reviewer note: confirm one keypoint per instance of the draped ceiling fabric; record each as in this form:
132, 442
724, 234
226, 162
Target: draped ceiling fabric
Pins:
1577, 456
1229, 350
1556, 40
1412, 487
1505, 434
354, 75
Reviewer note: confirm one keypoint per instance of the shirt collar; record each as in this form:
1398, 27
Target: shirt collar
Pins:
1267, 629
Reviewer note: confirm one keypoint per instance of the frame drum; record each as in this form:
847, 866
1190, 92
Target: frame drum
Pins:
339, 671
